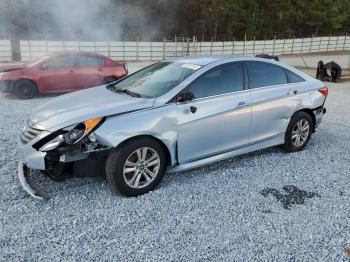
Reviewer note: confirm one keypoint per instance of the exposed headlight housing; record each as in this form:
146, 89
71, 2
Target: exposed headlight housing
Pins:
73, 134
54, 143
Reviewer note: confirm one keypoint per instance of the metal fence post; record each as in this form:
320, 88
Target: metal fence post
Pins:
123, 50
336, 43
264, 45
46, 47
187, 46
30, 50
245, 40
291, 52
194, 45
15, 49
273, 47
175, 46
151, 52
182, 46
254, 45
233, 46
346, 34
312, 38
211, 47
302, 45
329, 39
164, 41
223, 47
319, 45
137, 48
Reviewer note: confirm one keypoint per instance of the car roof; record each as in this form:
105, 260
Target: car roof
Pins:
203, 59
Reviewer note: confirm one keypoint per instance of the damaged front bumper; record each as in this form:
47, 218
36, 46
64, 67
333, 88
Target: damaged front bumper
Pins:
58, 164
28, 185
6, 86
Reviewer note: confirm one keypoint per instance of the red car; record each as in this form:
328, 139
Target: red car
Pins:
64, 71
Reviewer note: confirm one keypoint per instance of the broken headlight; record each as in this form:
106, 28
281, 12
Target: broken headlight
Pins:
72, 135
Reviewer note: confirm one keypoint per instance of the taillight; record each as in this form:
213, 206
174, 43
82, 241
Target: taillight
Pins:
323, 91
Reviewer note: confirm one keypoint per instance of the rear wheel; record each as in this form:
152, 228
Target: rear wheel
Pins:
25, 89
109, 79
298, 132
137, 167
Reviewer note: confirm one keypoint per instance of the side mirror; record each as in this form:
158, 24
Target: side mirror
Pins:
185, 97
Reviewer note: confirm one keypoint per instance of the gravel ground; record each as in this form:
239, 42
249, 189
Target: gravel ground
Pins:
267, 205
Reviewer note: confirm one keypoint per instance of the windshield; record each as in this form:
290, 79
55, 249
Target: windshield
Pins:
157, 79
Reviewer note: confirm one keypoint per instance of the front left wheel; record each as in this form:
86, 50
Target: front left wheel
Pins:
25, 89
137, 167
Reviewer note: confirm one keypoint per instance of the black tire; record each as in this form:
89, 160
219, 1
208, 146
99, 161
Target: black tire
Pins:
289, 145
25, 89
109, 79
117, 158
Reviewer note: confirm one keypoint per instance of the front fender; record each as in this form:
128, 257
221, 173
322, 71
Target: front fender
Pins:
160, 123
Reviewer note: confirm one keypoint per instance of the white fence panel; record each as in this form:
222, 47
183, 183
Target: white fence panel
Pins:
5, 50
152, 51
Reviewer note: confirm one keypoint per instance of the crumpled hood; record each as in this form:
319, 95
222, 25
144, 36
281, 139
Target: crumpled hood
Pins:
83, 105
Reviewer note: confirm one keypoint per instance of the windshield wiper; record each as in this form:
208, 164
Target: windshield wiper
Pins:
126, 91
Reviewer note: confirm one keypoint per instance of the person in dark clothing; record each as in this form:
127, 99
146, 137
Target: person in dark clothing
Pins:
335, 70
321, 73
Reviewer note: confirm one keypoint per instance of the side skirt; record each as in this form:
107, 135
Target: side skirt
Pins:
244, 150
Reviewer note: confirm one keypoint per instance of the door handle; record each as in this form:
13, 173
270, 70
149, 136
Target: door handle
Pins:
242, 104
294, 92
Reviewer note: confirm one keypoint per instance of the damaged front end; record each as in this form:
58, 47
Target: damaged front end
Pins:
70, 152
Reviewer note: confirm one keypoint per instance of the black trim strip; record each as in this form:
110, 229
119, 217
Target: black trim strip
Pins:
124, 113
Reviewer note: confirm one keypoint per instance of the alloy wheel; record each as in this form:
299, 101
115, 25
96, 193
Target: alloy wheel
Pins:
141, 167
300, 132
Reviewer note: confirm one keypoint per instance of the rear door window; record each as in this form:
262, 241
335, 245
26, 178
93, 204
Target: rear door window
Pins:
223, 79
89, 61
60, 62
264, 74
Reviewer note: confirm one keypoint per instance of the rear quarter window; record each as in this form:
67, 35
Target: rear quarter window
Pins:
294, 78
263, 74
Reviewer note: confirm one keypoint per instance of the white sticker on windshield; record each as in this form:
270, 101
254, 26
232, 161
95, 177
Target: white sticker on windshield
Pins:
191, 66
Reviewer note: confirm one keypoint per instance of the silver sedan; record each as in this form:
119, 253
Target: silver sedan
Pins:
171, 116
